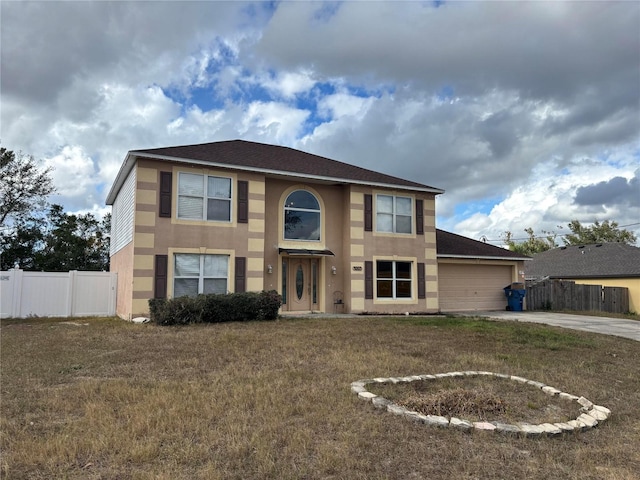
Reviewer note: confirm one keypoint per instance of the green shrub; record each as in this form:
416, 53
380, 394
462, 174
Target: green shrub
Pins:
214, 308
177, 311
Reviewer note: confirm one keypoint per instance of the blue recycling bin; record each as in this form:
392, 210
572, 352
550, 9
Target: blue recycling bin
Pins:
515, 297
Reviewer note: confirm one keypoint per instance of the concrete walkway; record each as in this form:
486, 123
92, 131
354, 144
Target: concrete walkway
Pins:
604, 325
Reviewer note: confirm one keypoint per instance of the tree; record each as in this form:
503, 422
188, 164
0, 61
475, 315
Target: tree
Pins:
23, 186
580, 235
20, 244
597, 233
57, 242
532, 245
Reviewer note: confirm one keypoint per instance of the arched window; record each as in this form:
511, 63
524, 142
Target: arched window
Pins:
301, 216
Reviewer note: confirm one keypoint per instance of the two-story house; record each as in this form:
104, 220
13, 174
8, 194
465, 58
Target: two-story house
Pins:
237, 216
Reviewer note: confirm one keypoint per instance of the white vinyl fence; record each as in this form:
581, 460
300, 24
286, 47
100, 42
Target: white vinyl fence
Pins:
49, 294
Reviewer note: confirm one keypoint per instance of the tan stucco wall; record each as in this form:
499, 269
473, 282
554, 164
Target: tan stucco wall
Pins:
331, 238
259, 239
633, 284
121, 263
371, 246
154, 235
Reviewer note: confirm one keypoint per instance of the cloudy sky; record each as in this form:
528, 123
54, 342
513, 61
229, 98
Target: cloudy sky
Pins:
527, 114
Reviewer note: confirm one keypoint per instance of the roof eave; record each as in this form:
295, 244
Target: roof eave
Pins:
482, 257
122, 175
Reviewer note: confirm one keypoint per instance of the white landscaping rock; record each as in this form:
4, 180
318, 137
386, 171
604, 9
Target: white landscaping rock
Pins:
577, 425
551, 391
460, 424
484, 426
602, 409
536, 384
436, 421
597, 414
588, 420
564, 426
358, 389
366, 395
380, 402
531, 430
551, 429
396, 409
586, 404
568, 396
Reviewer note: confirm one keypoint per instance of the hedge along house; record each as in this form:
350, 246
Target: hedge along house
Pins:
238, 216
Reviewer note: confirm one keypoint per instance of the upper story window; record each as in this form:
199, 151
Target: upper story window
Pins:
393, 214
204, 197
301, 216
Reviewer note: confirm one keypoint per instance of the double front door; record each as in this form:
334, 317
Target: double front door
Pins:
300, 282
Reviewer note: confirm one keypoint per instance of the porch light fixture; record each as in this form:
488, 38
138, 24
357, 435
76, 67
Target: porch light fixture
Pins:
333, 270
269, 269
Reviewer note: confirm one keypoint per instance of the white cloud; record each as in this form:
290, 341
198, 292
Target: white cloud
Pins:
343, 104
288, 84
273, 120
546, 202
73, 174
498, 103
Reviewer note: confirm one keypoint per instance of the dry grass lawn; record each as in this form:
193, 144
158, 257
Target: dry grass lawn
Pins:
272, 400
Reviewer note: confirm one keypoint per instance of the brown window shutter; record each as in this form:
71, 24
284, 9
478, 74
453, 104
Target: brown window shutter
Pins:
241, 275
160, 280
368, 213
368, 280
419, 217
165, 194
422, 292
243, 201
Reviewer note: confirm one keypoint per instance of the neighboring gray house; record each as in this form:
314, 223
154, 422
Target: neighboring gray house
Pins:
606, 264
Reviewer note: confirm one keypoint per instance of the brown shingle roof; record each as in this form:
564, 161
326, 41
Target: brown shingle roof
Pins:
586, 261
270, 159
274, 158
452, 245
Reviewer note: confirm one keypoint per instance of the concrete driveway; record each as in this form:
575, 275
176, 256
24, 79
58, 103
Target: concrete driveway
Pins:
605, 325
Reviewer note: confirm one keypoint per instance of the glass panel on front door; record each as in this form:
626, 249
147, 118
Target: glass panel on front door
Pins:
314, 279
299, 282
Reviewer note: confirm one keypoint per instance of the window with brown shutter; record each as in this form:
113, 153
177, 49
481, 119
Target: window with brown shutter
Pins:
419, 217
165, 194
243, 201
368, 280
368, 213
160, 276
241, 275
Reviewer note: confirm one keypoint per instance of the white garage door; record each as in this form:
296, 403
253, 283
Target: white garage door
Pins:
472, 287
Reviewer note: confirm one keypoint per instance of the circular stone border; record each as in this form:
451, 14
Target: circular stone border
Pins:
590, 414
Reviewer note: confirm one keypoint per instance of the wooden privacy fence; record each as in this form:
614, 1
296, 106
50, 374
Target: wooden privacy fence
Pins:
568, 295
57, 294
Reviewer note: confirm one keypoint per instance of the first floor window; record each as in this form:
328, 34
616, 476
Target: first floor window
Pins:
204, 197
393, 279
393, 214
194, 274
